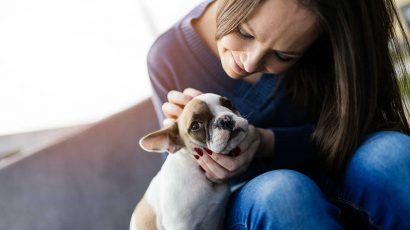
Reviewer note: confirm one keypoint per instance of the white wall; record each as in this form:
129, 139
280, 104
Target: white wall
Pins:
71, 62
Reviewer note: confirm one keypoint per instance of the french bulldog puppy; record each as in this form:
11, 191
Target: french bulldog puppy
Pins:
180, 196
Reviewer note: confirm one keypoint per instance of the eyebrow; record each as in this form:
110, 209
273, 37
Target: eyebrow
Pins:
288, 53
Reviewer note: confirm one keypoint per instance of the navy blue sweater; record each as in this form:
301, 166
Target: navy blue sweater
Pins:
179, 59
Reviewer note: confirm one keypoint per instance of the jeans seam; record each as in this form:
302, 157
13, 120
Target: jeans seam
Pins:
359, 208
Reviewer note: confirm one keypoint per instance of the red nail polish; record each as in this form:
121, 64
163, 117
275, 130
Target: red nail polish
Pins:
196, 157
199, 151
208, 151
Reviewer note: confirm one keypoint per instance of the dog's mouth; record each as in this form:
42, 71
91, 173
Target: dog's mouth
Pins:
235, 152
224, 139
235, 133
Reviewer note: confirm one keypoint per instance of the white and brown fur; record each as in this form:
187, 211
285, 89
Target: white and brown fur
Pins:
180, 196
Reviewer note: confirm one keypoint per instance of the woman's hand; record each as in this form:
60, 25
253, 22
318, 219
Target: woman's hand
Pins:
176, 102
219, 168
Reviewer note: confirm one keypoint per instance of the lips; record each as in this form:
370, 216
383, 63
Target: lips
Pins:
236, 132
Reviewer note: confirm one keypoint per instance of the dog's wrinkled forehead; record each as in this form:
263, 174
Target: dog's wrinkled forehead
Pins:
208, 105
216, 103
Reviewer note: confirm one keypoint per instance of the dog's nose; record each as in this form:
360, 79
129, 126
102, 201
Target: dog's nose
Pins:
225, 122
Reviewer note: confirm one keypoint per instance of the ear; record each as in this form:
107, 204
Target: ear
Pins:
166, 139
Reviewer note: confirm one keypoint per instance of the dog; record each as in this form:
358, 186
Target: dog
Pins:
180, 196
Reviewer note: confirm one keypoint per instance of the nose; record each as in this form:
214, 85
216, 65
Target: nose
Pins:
225, 122
251, 60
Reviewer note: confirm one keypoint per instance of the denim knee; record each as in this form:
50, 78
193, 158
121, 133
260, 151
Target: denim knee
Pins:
377, 177
281, 199
380, 160
275, 186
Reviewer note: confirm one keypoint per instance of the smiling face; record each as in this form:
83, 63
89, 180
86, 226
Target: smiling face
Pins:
208, 121
270, 40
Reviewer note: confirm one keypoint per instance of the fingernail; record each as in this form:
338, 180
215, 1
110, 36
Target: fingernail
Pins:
201, 169
199, 151
196, 156
208, 151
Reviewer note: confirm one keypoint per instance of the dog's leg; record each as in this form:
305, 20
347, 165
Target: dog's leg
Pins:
144, 217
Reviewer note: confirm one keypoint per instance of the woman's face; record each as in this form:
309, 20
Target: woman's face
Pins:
271, 40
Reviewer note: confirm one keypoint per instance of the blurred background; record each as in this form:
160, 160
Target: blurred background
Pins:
74, 100
70, 63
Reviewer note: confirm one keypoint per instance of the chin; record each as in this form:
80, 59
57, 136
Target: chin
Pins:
233, 75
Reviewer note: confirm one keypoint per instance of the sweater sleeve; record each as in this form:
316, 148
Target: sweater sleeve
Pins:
160, 73
159, 92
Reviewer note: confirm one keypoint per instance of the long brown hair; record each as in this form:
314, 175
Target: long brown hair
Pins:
231, 13
348, 80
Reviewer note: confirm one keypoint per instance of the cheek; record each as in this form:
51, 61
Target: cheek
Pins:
279, 67
226, 45
275, 66
230, 42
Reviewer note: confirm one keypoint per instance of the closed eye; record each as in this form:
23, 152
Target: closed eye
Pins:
281, 57
243, 34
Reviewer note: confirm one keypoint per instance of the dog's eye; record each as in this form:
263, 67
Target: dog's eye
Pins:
195, 126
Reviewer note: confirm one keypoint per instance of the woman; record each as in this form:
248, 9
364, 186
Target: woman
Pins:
316, 77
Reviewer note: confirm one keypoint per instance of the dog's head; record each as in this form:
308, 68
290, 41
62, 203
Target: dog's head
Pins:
207, 121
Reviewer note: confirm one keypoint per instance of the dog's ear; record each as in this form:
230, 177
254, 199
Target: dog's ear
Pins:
166, 139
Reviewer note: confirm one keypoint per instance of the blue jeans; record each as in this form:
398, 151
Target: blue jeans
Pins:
374, 193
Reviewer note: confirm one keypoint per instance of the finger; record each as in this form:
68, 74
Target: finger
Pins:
209, 174
168, 122
215, 180
249, 138
192, 92
247, 155
171, 110
241, 169
213, 167
227, 162
234, 172
178, 98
